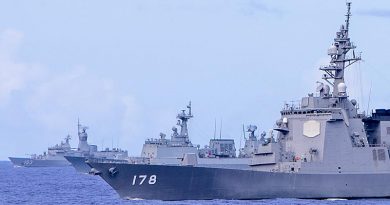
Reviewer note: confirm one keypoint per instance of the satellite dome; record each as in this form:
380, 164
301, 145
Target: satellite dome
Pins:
332, 50
354, 102
342, 88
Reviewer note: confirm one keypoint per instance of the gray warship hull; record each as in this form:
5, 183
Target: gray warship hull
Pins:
28, 162
78, 163
201, 183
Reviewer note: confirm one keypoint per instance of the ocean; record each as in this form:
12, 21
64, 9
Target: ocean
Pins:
20, 185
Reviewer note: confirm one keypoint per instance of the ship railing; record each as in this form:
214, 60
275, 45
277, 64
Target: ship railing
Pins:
378, 145
292, 105
130, 160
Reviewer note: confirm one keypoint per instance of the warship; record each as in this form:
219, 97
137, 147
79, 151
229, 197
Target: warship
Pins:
163, 151
84, 151
324, 148
179, 149
53, 158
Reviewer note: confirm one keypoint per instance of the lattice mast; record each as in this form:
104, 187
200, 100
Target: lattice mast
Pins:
334, 72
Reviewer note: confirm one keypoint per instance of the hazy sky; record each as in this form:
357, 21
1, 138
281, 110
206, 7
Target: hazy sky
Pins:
126, 68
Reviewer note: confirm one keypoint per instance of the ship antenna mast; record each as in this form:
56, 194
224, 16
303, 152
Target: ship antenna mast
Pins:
78, 126
334, 72
182, 122
348, 15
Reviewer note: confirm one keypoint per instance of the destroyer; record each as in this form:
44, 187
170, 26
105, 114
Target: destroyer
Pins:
84, 151
53, 158
179, 150
324, 148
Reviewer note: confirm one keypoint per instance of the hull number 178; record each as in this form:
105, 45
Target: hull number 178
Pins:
141, 179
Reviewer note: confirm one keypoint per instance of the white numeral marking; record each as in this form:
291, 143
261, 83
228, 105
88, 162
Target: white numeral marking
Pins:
152, 179
141, 178
134, 178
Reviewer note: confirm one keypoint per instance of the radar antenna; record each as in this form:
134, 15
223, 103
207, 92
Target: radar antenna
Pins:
339, 59
183, 118
348, 15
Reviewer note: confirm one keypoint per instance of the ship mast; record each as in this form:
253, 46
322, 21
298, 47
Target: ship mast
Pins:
182, 122
339, 59
67, 139
83, 137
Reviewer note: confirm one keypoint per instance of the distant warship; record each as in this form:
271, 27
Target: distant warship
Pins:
53, 158
63, 155
178, 150
85, 151
324, 148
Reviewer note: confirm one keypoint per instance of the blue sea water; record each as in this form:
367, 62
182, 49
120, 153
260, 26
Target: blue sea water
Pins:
19, 185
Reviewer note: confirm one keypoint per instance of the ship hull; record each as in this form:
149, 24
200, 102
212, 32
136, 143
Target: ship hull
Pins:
78, 163
28, 162
199, 183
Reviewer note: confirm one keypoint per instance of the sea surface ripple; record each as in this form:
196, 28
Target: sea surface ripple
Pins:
19, 185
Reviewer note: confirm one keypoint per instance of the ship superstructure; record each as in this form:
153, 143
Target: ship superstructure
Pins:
170, 151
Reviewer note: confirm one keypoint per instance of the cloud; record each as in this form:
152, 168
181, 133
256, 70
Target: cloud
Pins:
383, 13
51, 99
253, 7
129, 123
10, 41
74, 92
51, 96
12, 74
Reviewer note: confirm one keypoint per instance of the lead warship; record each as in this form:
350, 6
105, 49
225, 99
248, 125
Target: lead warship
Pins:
324, 148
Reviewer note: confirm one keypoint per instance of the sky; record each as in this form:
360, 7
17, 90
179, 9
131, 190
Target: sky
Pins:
126, 68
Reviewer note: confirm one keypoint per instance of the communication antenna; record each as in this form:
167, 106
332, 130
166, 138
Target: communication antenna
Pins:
369, 99
243, 130
215, 127
240, 140
348, 15
117, 141
78, 125
220, 131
